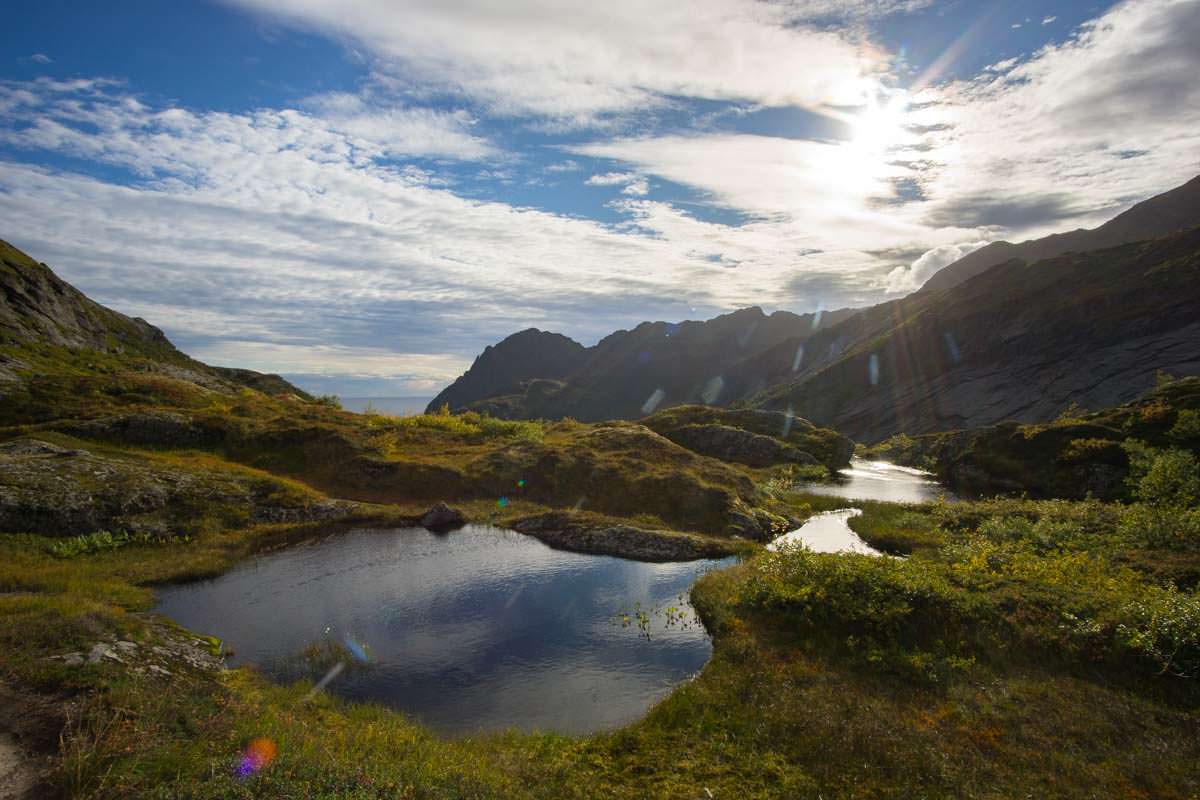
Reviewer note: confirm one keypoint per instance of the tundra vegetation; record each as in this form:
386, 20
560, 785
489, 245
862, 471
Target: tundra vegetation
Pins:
1023, 646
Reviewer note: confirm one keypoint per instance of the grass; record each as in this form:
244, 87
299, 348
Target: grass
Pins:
1013, 653
1022, 648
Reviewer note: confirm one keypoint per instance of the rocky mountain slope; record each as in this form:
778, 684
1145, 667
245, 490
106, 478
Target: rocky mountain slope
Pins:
1019, 342
627, 374
1163, 214
504, 368
38, 309
987, 339
1074, 456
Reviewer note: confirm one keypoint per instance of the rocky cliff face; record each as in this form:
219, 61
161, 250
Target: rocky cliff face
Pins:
1170, 212
1018, 342
38, 306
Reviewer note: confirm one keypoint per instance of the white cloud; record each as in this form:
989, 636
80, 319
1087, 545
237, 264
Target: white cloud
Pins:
611, 179
1076, 132
41, 58
1048, 20
905, 279
639, 187
576, 59
631, 184
281, 228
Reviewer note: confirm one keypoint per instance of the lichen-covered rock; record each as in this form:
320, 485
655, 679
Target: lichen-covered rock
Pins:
752, 436
735, 444
60, 491
566, 531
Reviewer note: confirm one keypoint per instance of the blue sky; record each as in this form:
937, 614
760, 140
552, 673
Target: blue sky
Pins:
362, 194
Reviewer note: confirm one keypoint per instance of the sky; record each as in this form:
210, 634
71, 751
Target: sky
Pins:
362, 194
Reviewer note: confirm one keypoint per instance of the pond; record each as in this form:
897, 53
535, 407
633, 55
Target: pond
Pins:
880, 480
481, 629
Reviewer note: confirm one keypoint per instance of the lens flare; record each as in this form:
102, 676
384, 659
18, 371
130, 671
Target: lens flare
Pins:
653, 401
521, 483
258, 756
357, 649
502, 502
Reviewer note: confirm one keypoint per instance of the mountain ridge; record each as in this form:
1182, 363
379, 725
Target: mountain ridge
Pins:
1165, 213
610, 383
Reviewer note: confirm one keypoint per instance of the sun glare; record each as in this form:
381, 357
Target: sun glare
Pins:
880, 126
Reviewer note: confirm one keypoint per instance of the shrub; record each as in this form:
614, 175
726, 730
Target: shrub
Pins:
1187, 426
1171, 479
1160, 526
1165, 627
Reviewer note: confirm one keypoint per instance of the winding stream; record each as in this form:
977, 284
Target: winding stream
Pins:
880, 480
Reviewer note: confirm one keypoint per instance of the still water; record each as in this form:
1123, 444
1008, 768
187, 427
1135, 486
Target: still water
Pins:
828, 532
880, 480
480, 629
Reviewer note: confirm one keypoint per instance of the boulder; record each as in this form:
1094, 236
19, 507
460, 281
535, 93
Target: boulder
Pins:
442, 517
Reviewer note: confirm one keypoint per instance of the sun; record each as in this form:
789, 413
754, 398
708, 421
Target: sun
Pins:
880, 126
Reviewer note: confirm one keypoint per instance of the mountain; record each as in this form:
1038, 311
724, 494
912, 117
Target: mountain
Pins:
503, 368
988, 338
1166, 213
38, 309
1018, 342
628, 373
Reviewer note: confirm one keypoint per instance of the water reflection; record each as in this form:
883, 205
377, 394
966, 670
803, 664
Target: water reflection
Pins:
827, 533
880, 480
482, 629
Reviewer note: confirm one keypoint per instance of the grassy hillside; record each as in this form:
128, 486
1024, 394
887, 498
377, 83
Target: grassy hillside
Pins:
1078, 454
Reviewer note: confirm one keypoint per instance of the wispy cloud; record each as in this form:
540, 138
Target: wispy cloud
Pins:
1042, 138
575, 59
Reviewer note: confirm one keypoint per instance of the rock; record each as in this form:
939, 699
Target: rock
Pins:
564, 531
758, 525
45, 488
70, 659
743, 447
442, 517
159, 428
101, 652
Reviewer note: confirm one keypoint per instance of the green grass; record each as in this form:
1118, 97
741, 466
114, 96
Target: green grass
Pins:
1022, 648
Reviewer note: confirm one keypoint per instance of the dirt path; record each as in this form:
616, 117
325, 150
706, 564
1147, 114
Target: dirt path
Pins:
30, 725
18, 776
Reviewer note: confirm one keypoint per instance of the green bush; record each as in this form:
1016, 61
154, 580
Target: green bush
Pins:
1187, 426
1160, 526
1172, 479
1165, 627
